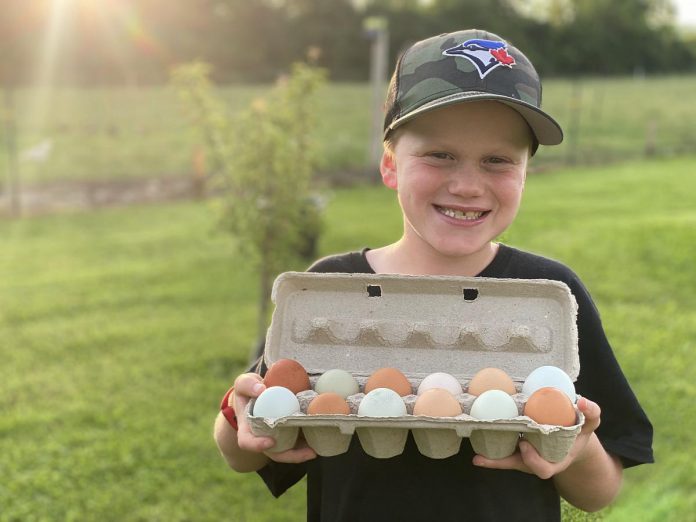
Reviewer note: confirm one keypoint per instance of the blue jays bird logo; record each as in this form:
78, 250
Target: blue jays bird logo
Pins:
486, 55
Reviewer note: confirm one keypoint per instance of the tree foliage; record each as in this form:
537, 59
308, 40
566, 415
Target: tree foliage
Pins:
264, 160
137, 41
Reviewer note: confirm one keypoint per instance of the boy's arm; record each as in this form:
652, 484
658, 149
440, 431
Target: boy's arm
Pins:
589, 477
242, 450
239, 460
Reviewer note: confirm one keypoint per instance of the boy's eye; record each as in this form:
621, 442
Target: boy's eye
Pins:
497, 160
441, 155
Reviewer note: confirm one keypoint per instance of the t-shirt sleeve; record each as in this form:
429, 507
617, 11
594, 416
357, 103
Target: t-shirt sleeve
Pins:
625, 430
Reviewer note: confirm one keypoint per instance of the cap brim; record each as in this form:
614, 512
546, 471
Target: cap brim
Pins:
544, 127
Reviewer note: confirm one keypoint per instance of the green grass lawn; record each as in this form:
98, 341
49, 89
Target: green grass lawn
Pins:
121, 329
119, 133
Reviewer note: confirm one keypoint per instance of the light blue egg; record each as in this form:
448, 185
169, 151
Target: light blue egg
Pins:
549, 376
494, 405
382, 402
276, 402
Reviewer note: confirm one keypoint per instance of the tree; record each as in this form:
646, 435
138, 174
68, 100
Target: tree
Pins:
264, 160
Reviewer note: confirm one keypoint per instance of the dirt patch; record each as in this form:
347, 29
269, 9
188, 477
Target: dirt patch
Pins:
50, 198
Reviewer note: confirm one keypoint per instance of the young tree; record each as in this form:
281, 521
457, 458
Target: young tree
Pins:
263, 162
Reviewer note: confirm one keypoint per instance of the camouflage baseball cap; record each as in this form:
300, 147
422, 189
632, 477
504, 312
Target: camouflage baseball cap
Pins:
464, 66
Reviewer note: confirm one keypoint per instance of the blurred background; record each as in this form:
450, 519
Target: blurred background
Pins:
132, 291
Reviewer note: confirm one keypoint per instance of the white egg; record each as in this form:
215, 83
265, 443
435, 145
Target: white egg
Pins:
337, 381
549, 376
382, 402
276, 402
494, 404
440, 380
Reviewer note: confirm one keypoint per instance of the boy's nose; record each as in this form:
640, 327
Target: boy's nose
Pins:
466, 181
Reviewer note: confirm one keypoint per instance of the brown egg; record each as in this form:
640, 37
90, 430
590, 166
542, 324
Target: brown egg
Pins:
437, 402
550, 406
328, 403
389, 378
289, 374
491, 379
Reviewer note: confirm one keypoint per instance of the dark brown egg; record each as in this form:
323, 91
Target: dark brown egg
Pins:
289, 374
328, 403
389, 378
550, 406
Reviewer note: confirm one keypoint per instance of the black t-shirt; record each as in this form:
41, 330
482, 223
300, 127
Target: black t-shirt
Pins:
355, 487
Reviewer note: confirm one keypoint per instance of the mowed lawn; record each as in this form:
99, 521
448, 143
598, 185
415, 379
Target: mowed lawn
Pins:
121, 329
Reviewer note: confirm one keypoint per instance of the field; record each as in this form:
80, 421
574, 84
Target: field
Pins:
121, 329
73, 134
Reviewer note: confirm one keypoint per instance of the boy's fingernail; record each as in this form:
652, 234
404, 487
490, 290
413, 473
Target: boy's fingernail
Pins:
258, 387
268, 444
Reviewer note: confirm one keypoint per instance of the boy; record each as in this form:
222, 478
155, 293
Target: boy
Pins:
463, 118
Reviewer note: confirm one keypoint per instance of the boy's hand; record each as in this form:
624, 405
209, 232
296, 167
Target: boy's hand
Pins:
246, 387
528, 460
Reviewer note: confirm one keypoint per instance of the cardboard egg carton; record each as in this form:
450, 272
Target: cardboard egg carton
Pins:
420, 325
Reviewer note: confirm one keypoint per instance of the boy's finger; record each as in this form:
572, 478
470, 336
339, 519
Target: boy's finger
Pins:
247, 441
293, 456
592, 413
249, 384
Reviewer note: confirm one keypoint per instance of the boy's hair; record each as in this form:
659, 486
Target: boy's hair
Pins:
465, 66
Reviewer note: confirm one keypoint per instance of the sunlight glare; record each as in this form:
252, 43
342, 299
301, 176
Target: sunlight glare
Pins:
60, 13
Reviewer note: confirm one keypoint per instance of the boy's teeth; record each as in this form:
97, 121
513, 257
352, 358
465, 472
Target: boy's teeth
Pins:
458, 214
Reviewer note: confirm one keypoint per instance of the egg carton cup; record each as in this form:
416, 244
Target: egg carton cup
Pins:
420, 325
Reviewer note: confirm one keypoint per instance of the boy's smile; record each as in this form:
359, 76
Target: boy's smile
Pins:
459, 172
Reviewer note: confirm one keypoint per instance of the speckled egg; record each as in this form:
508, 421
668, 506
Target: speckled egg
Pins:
337, 381
389, 378
441, 380
491, 379
382, 402
437, 402
549, 376
493, 405
276, 402
550, 406
328, 403
289, 374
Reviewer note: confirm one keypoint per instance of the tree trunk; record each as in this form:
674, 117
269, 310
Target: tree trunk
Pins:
264, 302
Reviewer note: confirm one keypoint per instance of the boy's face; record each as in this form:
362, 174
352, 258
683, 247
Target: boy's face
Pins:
459, 172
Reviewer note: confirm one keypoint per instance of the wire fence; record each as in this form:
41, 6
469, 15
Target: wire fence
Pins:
89, 148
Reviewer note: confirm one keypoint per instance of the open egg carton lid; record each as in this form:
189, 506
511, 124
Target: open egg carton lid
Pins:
422, 324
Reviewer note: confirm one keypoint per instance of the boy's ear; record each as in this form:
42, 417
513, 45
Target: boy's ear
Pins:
387, 168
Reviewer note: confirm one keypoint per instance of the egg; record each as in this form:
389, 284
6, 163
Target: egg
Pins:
494, 404
440, 380
289, 374
337, 381
437, 402
382, 402
549, 376
550, 406
491, 379
276, 402
328, 403
389, 378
